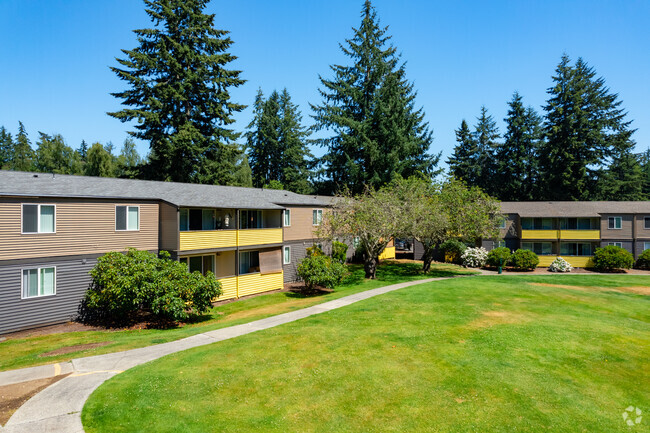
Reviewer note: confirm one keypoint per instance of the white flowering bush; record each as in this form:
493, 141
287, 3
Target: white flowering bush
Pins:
474, 257
560, 265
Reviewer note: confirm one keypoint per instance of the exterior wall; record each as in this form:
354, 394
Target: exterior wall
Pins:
71, 282
207, 239
625, 243
639, 226
513, 227
82, 227
169, 233
251, 284
298, 252
388, 253
259, 237
302, 226
625, 232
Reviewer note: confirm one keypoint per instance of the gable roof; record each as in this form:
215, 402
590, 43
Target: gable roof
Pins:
558, 209
16, 183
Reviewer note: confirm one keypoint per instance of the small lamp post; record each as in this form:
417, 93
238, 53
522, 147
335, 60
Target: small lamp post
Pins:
500, 266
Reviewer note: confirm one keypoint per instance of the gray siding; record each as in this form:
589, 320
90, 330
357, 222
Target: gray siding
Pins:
299, 252
72, 280
626, 244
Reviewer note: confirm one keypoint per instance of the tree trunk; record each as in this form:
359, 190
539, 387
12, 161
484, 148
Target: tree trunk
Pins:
370, 266
427, 258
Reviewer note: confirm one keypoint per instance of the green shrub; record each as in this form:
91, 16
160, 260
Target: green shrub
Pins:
644, 260
319, 270
452, 250
127, 283
524, 260
339, 251
495, 255
612, 258
314, 250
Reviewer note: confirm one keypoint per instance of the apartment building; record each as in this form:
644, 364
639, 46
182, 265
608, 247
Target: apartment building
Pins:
54, 227
573, 230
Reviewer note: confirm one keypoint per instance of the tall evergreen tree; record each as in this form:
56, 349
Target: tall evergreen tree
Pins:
644, 161
54, 156
297, 158
6, 148
369, 107
463, 163
517, 156
485, 136
584, 126
129, 160
23, 154
179, 94
623, 179
82, 151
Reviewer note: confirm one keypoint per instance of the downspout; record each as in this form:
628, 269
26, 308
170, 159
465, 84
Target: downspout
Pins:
237, 253
634, 236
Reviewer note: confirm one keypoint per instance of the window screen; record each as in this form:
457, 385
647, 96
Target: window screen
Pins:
30, 218
120, 218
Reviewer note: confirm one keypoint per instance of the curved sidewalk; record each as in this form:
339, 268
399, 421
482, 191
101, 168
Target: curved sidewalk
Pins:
57, 409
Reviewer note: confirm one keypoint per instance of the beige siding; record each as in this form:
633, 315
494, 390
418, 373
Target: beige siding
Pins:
226, 264
625, 232
302, 226
82, 227
168, 227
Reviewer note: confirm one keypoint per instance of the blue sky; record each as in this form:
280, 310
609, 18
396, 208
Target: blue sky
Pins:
56, 54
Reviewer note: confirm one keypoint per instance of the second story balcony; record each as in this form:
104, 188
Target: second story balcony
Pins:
560, 228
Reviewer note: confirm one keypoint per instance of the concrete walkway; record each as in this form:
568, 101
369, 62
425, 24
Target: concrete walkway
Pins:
57, 409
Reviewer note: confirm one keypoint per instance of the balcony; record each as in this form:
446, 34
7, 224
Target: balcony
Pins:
541, 234
580, 234
259, 237
207, 239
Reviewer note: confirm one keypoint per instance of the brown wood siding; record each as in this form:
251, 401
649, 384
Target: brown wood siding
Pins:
625, 232
169, 238
640, 230
302, 224
82, 227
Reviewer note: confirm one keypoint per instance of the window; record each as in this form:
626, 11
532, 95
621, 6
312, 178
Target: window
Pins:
286, 256
287, 217
576, 249
317, 217
578, 224
502, 223
39, 282
203, 264
205, 219
127, 218
537, 224
499, 244
646, 246
539, 248
615, 244
614, 223
646, 223
251, 219
38, 218
249, 262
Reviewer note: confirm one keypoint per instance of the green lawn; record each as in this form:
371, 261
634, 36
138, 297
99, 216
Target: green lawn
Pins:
24, 352
481, 354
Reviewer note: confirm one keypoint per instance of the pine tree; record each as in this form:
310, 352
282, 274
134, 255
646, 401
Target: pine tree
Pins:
463, 163
54, 156
378, 135
99, 162
623, 180
6, 148
23, 155
644, 161
83, 150
517, 157
277, 148
179, 94
485, 136
584, 126
129, 160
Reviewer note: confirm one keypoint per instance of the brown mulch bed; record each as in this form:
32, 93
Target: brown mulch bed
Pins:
14, 396
52, 329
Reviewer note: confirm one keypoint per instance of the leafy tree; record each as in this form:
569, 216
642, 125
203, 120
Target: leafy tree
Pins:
463, 163
584, 126
23, 155
277, 149
54, 156
129, 160
516, 176
374, 216
6, 147
369, 108
179, 94
485, 136
99, 162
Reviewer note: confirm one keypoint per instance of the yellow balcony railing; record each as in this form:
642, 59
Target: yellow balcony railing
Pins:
201, 240
388, 253
580, 234
540, 234
258, 283
259, 237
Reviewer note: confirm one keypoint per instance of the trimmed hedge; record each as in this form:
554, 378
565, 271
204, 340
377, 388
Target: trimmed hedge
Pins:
612, 258
452, 251
524, 260
496, 254
319, 270
644, 260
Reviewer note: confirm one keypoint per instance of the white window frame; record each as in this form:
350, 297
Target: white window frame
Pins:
615, 244
127, 229
22, 282
614, 219
285, 250
38, 218
287, 214
318, 213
